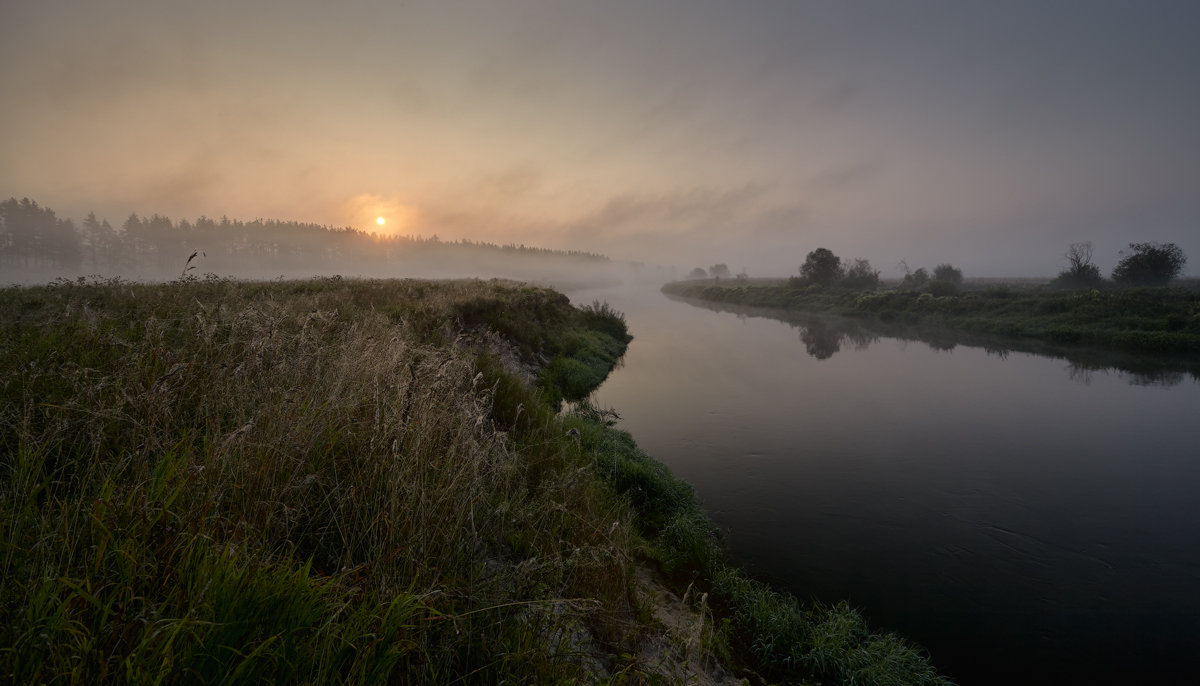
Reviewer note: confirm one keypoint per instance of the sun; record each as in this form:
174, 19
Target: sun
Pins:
380, 221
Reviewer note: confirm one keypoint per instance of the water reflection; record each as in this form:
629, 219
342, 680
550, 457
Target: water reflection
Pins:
1020, 525
824, 336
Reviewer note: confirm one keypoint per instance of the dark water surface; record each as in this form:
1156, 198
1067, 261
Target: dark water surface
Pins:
1024, 520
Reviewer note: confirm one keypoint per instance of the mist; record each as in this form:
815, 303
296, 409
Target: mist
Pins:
675, 133
911, 290
38, 246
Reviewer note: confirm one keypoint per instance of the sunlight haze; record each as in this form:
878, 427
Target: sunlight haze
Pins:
990, 135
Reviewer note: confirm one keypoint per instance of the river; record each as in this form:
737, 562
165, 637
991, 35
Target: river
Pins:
1025, 520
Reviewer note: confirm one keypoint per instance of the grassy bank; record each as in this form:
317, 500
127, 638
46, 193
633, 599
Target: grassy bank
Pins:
1154, 320
356, 481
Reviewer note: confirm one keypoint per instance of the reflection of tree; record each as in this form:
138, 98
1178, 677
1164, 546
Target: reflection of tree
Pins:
1166, 378
941, 345
823, 336
1156, 378
1002, 353
820, 341
1080, 373
861, 339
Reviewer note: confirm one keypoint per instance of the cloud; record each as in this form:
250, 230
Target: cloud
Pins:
697, 210
193, 184
514, 181
845, 176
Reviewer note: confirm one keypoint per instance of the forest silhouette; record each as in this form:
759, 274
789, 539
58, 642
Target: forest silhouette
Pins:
34, 240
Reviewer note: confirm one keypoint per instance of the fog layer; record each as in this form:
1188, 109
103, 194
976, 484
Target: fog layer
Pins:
991, 135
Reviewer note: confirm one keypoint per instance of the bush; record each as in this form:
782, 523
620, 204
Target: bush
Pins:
948, 273
860, 276
1149, 264
1085, 276
1080, 271
916, 279
942, 288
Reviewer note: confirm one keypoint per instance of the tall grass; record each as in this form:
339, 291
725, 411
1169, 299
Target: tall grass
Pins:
339, 481
218, 481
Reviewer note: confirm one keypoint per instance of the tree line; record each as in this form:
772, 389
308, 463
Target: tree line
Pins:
1141, 264
34, 237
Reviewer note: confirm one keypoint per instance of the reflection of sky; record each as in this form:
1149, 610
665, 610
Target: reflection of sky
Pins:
977, 502
988, 134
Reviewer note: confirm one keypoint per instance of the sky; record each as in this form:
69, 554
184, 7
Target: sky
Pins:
682, 132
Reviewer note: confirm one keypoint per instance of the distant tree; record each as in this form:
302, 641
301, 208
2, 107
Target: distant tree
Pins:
915, 279
22, 222
719, 271
1080, 272
133, 229
698, 273
101, 244
860, 276
821, 267
61, 242
1149, 264
948, 273
34, 235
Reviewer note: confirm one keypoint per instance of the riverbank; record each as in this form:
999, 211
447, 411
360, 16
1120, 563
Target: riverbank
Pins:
825, 335
1154, 320
360, 481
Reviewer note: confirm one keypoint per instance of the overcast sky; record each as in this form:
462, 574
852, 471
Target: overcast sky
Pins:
988, 134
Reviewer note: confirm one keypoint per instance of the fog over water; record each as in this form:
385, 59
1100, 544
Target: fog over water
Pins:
1025, 522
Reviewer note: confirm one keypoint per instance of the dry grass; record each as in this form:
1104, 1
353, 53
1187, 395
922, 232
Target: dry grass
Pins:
354, 482
316, 463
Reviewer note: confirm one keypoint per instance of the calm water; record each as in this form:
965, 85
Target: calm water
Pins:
1024, 521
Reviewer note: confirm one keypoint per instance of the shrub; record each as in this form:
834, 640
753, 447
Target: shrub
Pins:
1080, 271
916, 279
942, 288
1149, 264
860, 276
948, 273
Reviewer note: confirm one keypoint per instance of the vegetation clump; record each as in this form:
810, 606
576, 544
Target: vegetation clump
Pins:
1081, 271
1149, 264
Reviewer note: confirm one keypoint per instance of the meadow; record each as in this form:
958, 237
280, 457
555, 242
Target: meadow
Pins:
332, 481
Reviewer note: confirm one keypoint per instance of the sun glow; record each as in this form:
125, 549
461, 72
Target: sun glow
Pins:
383, 214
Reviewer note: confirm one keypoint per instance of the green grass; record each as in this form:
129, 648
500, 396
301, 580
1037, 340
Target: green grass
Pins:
336, 481
304, 481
